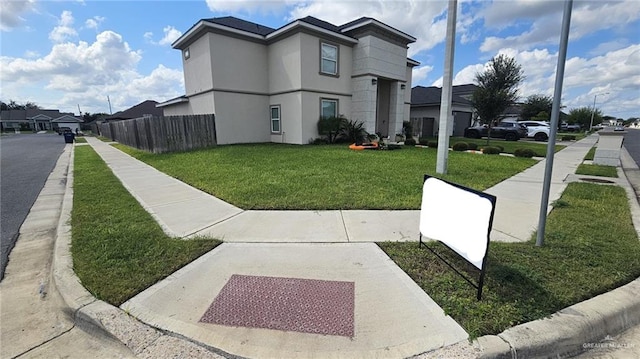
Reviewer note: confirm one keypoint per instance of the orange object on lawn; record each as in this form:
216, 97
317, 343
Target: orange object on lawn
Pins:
364, 146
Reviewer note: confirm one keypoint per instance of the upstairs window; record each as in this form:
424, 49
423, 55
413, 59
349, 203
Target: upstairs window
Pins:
328, 59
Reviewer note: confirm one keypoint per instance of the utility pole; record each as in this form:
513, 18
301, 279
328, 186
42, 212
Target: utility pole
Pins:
593, 111
446, 116
555, 114
109, 101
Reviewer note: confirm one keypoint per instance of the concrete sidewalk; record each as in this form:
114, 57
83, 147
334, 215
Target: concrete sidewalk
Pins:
185, 211
394, 318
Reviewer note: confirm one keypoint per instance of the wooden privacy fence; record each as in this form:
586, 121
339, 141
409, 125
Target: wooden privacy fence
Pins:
160, 134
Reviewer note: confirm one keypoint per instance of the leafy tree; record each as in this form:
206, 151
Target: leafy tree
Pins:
582, 116
90, 117
497, 89
542, 116
535, 105
12, 105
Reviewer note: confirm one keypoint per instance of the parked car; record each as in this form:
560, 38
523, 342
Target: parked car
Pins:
62, 130
509, 130
570, 128
538, 130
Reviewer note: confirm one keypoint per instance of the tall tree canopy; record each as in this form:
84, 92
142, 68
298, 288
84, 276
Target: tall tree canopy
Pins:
12, 105
497, 87
535, 105
582, 116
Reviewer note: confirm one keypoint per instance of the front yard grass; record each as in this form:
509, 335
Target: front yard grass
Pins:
597, 170
590, 247
292, 177
118, 249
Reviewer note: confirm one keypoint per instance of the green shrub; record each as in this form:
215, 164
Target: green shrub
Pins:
331, 127
353, 131
407, 129
460, 146
410, 142
500, 148
491, 150
432, 144
472, 146
318, 141
423, 141
524, 152
568, 138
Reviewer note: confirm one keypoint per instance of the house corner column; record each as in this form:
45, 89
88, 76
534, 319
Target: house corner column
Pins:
396, 108
364, 100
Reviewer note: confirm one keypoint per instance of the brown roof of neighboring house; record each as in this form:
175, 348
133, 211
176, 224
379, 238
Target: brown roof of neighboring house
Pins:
147, 107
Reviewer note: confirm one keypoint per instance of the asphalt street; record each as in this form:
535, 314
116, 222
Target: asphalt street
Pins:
632, 143
26, 161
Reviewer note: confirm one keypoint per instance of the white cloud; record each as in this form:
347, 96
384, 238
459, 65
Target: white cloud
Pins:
11, 14
249, 6
64, 30
94, 22
420, 73
170, 35
544, 18
84, 73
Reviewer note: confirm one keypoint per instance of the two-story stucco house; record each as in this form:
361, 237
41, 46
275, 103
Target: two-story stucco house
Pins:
273, 85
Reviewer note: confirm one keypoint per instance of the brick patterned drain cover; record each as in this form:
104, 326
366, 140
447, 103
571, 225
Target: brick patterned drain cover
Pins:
290, 304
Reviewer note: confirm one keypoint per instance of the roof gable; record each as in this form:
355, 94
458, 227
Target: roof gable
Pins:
147, 107
67, 119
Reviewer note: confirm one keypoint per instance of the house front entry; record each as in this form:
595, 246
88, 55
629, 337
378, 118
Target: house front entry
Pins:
383, 107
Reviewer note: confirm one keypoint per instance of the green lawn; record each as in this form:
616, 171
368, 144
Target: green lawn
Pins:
276, 176
118, 249
590, 248
597, 170
591, 154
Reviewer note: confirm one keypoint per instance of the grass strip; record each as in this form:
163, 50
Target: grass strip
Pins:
118, 249
540, 149
293, 177
584, 255
597, 170
591, 154
80, 140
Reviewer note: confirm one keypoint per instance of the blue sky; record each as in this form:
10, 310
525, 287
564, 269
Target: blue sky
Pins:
65, 54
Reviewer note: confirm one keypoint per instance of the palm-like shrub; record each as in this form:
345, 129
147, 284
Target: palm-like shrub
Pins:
353, 131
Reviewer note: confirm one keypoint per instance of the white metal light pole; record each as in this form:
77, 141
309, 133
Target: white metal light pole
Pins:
594, 108
555, 114
446, 115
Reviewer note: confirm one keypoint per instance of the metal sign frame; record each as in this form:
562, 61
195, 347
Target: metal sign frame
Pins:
480, 280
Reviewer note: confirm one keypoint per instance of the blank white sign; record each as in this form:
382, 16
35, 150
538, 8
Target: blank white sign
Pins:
458, 218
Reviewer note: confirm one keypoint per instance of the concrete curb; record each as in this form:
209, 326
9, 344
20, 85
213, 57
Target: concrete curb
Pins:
567, 332
88, 312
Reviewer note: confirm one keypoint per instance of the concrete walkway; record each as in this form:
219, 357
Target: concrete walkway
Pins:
393, 317
185, 211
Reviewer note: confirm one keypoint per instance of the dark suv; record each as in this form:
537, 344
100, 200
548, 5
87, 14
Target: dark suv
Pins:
509, 130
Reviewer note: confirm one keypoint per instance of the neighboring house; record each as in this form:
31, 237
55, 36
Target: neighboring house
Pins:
273, 85
37, 119
146, 108
425, 109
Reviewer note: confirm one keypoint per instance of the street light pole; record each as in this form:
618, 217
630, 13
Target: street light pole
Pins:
593, 111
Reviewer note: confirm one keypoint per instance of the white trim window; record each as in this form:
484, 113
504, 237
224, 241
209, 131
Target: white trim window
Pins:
275, 119
328, 59
328, 108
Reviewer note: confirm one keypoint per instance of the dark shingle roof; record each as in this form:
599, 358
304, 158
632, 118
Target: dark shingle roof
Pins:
147, 107
356, 21
320, 23
243, 25
421, 95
